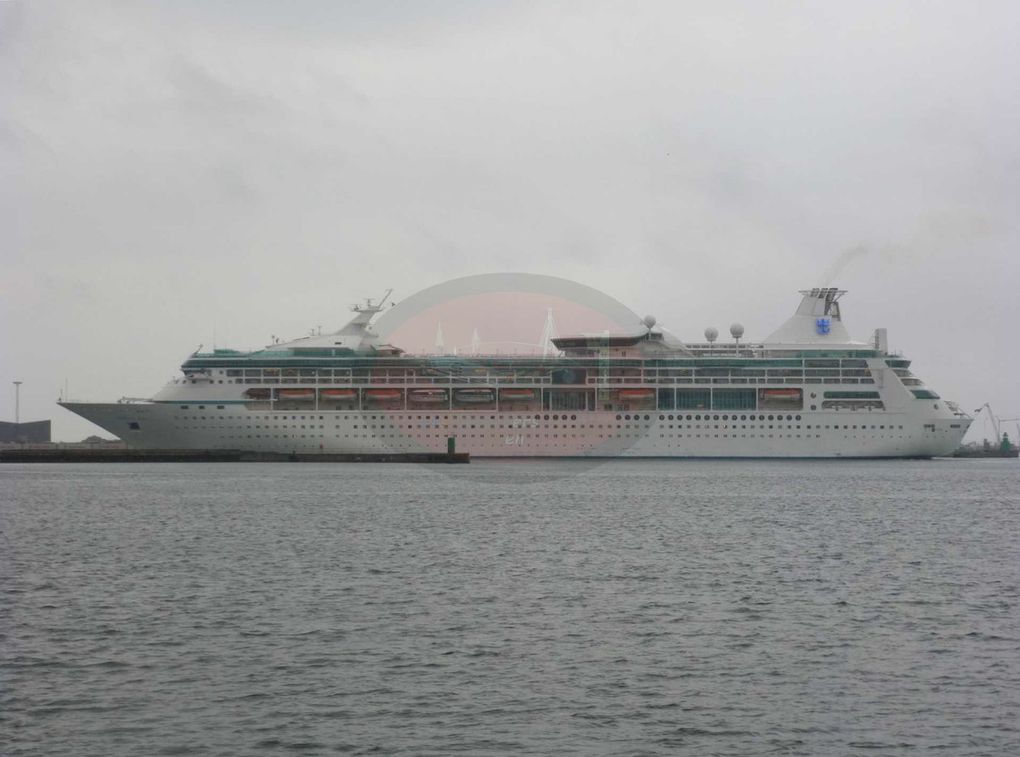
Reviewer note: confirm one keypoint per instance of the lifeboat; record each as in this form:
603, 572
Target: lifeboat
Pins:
296, 394
257, 394
383, 395
428, 395
636, 394
340, 394
475, 395
784, 394
517, 395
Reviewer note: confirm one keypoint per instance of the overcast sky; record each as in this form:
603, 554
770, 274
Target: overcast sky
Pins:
179, 172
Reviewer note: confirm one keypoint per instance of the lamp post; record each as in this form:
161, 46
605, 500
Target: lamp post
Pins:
17, 404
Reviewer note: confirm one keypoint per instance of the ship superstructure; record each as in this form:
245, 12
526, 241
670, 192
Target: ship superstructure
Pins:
808, 390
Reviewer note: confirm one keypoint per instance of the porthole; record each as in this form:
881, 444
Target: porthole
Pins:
662, 417
696, 417
771, 417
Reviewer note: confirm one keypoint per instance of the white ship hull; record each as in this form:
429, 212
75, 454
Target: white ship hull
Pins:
165, 425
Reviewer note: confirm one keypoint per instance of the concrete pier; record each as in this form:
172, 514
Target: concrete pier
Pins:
126, 455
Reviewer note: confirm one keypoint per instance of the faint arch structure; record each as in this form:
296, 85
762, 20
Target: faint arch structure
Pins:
489, 283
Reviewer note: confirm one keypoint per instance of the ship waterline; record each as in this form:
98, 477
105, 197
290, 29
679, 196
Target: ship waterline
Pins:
808, 391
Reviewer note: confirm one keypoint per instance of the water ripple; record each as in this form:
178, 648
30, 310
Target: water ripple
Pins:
637, 608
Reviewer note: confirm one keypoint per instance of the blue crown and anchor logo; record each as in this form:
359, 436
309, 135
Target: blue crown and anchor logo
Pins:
823, 326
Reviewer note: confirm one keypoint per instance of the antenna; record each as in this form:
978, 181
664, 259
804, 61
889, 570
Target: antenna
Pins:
440, 344
548, 333
17, 403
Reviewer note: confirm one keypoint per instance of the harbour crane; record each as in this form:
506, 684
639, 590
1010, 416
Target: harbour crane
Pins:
992, 418
996, 422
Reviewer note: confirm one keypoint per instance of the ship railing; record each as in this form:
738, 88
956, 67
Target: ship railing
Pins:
714, 380
418, 381
544, 381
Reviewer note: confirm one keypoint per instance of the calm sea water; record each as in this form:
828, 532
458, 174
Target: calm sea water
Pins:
633, 608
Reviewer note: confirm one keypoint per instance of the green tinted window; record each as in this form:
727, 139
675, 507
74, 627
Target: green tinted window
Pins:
733, 399
693, 399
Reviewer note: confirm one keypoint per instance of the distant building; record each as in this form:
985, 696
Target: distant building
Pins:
34, 432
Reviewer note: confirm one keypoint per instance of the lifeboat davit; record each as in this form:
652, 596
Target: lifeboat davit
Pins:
636, 394
475, 395
340, 394
296, 394
428, 395
786, 394
383, 395
517, 395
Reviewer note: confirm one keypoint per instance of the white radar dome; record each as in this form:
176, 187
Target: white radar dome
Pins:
648, 320
736, 331
711, 334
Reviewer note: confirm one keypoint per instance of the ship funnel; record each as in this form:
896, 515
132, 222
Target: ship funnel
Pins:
821, 302
818, 320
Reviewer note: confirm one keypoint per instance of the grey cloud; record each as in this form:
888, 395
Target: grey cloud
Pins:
192, 163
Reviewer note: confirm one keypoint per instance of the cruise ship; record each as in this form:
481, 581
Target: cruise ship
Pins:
806, 391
